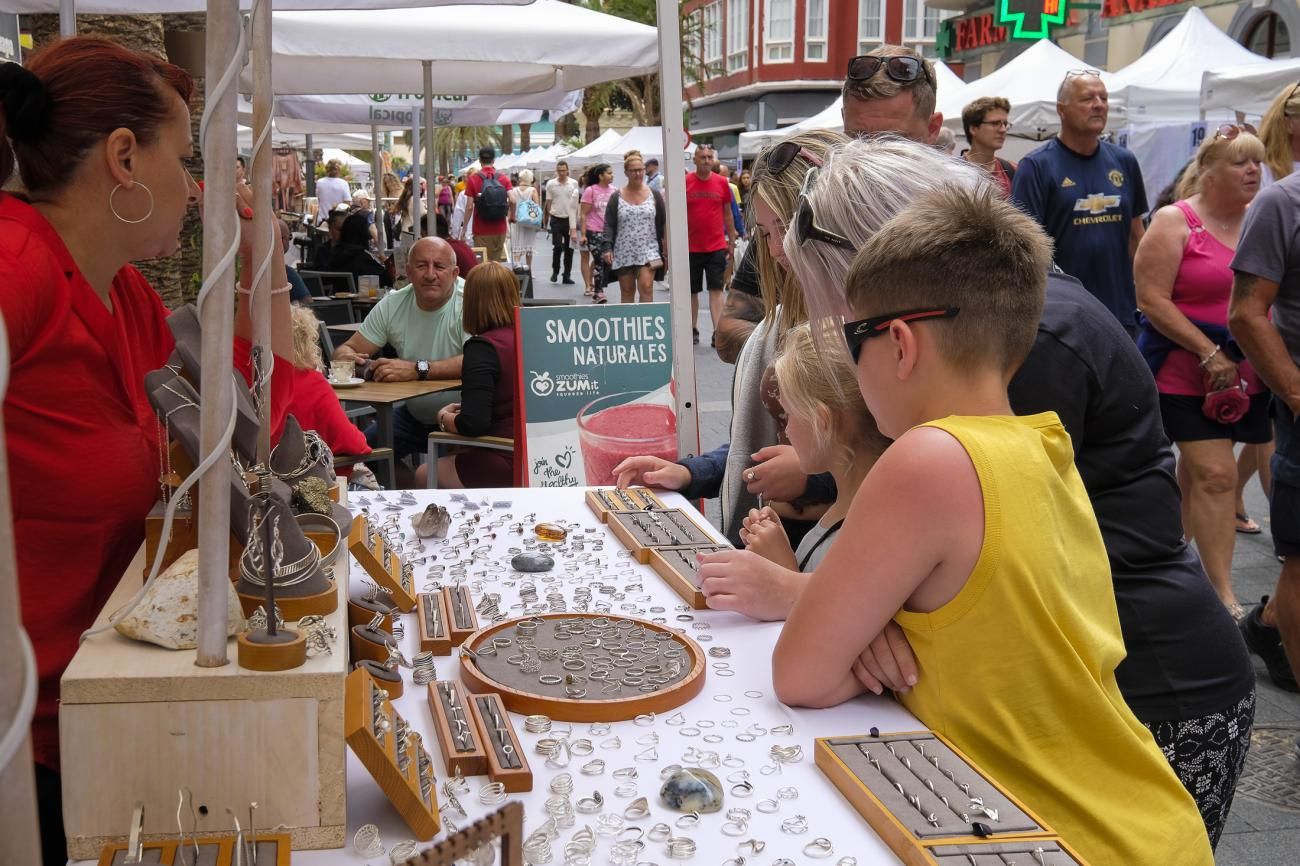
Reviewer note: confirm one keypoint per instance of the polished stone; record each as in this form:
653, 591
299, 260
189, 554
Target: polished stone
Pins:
692, 790
532, 562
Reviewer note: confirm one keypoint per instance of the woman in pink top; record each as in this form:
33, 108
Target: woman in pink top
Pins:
1184, 281
591, 226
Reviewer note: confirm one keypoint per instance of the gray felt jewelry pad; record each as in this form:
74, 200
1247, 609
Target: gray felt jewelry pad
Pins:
668, 528
936, 801
1033, 853
682, 559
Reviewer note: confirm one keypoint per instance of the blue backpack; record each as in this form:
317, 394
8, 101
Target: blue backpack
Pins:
493, 202
528, 212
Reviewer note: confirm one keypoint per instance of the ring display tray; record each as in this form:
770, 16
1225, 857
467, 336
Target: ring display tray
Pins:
679, 569
382, 563
1036, 852
583, 667
392, 753
642, 531
461, 619
273, 849
603, 500
505, 755
431, 609
459, 738
918, 791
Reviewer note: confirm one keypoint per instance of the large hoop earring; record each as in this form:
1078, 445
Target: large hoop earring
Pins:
121, 218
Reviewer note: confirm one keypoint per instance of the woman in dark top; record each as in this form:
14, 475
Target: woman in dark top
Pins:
488, 380
353, 251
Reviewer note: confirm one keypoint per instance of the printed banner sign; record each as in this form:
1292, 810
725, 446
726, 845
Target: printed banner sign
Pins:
596, 387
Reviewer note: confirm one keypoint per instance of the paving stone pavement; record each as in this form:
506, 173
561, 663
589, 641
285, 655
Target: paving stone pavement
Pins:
1264, 826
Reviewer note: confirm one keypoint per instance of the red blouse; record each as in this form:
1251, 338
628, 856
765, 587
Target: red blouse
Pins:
317, 407
82, 439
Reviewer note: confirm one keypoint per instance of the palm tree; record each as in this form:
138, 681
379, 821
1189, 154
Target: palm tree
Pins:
453, 143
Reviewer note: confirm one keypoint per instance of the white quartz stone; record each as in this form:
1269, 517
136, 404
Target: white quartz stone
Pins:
168, 615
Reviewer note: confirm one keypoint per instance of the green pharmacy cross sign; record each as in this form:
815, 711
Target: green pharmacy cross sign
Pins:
1031, 19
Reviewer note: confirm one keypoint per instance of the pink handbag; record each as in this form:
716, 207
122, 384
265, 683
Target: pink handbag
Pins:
1227, 406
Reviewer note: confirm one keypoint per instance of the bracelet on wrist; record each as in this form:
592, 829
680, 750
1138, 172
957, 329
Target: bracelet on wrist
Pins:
1210, 357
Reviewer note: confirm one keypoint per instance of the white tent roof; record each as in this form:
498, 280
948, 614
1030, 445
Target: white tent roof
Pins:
949, 85
1029, 82
1164, 84
647, 139
139, 7
586, 155
400, 111
1248, 88
349, 140
472, 52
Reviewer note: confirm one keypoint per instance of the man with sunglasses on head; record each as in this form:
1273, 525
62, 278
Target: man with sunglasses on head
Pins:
1088, 195
891, 89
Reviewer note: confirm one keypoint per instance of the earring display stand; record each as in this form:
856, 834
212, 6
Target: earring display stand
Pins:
382, 563
606, 499
431, 608
548, 665
461, 619
679, 569
506, 824
919, 792
642, 531
392, 753
505, 755
273, 849
458, 737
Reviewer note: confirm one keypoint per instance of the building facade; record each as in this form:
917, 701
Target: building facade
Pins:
770, 63
1116, 34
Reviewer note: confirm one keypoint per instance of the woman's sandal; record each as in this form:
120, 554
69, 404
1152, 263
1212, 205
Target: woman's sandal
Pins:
1246, 525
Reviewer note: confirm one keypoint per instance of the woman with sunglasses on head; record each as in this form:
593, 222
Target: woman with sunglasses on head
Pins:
1280, 132
758, 461
1210, 398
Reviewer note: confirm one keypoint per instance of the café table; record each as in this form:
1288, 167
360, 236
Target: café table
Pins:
384, 397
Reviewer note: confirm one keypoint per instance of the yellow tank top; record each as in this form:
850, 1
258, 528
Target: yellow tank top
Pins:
1019, 668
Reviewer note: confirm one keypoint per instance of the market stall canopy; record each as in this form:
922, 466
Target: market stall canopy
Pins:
1164, 84
647, 139
360, 170
141, 7
585, 154
401, 110
830, 117
1248, 88
350, 140
532, 49
1029, 82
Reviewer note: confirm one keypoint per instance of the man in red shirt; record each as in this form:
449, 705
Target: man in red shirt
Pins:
711, 231
488, 206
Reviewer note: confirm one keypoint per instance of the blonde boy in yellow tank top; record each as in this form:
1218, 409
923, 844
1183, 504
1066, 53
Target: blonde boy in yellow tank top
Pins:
980, 541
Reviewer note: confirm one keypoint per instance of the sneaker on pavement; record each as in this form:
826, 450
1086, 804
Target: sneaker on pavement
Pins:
567, 281
555, 278
1266, 642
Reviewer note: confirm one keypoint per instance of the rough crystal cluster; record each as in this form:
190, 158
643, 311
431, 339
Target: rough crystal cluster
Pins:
433, 522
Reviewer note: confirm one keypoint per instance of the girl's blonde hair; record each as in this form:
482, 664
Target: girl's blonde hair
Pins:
306, 339
824, 391
780, 192
1217, 151
1274, 133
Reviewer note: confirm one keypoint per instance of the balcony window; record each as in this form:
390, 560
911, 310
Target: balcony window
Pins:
778, 31
737, 35
815, 30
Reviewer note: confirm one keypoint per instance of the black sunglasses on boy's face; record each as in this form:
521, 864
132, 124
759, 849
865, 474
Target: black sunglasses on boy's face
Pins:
857, 333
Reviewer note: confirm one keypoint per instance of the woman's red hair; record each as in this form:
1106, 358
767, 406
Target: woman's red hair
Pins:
94, 87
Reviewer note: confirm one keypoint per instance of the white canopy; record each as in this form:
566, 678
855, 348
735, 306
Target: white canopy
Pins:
587, 154
359, 169
141, 7
531, 49
349, 140
1029, 82
1248, 88
400, 111
830, 117
647, 139
1163, 85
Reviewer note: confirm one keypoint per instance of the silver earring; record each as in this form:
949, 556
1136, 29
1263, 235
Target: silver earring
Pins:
121, 218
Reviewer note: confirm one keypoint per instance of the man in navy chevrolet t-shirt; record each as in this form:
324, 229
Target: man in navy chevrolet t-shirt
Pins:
1088, 195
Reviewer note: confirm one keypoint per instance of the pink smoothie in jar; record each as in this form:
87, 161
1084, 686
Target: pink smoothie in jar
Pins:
610, 435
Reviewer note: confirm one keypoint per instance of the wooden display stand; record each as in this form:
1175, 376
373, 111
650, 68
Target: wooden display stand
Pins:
506, 824
432, 620
139, 722
912, 849
485, 708
461, 619
471, 762
682, 531
681, 574
170, 851
378, 752
387, 574
602, 500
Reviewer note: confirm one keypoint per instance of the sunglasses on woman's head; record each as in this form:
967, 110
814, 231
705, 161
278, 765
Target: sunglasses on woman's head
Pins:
805, 221
779, 157
857, 333
1228, 131
902, 68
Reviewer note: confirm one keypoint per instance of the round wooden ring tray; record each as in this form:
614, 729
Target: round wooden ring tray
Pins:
585, 709
294, 607
272, 656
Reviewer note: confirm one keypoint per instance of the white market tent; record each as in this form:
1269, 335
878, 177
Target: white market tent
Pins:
1163, 85
589, 153
400, 111
1029, 82
139, 7
360, 169
830, 117
1247, 88
647, 139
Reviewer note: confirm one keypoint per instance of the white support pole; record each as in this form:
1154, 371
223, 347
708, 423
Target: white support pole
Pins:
415, 178
377, 187
428, 134
265, 232
67, 18
674, 169
217, 318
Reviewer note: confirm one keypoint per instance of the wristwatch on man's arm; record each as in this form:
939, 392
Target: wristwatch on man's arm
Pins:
422, 370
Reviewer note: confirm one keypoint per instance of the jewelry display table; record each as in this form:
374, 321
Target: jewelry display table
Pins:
735, 720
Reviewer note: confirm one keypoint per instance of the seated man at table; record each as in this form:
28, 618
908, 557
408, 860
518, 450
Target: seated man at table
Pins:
422, 322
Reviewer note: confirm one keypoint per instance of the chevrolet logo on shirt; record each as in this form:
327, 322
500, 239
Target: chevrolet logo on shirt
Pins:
1096, 206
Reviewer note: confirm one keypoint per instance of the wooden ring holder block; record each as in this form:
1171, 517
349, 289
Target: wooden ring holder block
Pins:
294, 607
457, 759
382, 563
603, 500
1052, 851
389, 681
431, 610
365, 704
505, 824
273, 849
866, 770
524, 693
360, 614
461, 619
256, 656
511, 769
678, 568
364, 645
641, 531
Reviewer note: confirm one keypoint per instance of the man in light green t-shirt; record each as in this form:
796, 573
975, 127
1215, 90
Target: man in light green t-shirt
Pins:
422, 322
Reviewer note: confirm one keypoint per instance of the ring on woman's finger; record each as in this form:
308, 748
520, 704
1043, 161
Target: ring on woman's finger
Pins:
749, 476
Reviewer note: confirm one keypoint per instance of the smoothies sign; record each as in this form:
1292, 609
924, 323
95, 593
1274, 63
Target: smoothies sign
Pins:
596, 387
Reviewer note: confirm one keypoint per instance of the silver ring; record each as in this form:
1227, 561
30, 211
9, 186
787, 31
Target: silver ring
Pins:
819, 848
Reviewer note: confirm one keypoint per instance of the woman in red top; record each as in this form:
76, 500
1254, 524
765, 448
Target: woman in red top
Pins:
100, 137
1184, 280
315, 404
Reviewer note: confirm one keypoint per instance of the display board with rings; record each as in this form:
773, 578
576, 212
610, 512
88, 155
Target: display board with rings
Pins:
643, 531
584, 667
603, 500
681, 570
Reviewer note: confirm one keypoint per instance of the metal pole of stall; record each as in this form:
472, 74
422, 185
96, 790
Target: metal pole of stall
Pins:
415, 178
67, 18
428, 134
377, 185
310, 169
674, 169
263, 214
